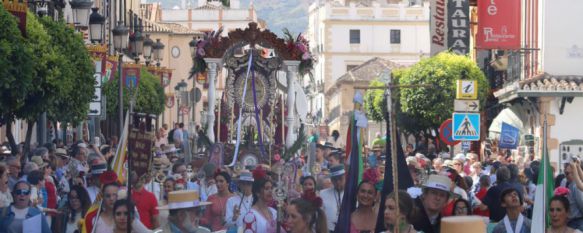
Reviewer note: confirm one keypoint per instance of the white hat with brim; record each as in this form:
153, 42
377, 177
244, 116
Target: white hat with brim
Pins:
337, 170
183, 199
438, 182
245, 176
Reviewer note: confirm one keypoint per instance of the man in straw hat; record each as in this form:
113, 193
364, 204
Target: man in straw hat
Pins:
185, 211
436, 191
333, 196
240, 204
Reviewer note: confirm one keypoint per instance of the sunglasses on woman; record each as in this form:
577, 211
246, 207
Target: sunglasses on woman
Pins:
23, 192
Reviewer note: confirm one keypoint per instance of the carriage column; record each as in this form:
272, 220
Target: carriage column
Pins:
213, 65
292, 70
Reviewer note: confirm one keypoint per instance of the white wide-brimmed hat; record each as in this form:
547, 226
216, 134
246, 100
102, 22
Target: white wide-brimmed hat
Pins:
245, 176
183, 199
438, 182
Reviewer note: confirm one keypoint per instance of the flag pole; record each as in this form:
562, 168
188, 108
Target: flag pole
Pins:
545, 181
393, 140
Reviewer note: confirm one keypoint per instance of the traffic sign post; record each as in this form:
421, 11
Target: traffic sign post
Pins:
446, 133
466, 126
467, 89
466, 105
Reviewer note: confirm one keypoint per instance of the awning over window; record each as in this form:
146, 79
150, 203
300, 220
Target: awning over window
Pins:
515, 115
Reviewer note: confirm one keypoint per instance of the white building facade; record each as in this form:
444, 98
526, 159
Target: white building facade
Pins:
210, 15
344, 35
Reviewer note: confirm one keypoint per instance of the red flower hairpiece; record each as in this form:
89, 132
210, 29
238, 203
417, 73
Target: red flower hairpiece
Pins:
371, 175
259, 173
107, 177
217, 171
561, 191
310, 195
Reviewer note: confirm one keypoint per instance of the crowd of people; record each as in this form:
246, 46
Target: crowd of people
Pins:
73, 189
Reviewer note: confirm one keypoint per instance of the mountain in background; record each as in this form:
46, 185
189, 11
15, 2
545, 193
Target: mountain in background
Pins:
279, 14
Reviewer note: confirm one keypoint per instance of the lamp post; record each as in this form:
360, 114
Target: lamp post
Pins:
137, 48
81, 10
120, 43
41, 7
192, 45
157, 49
147, 50
96, 22
180, 89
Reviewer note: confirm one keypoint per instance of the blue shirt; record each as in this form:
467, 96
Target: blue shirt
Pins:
7, 216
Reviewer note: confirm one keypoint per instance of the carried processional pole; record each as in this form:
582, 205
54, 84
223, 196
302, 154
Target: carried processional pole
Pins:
392, 133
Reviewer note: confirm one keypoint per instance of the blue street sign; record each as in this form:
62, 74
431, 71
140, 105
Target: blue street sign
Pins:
509, 137
466, 145
466, 126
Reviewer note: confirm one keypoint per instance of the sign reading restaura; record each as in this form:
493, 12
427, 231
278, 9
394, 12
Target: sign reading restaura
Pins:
438, 26
458, 33
140, 144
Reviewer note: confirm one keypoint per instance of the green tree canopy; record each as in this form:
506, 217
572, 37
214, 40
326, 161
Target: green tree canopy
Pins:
48, 62
429, 107
150, 96
16, 75
75, 86
373, 101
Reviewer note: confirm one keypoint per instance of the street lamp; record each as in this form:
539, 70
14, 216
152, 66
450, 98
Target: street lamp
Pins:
81, 12
148, 43
180, 89
137, 48
41, 7
157, 49
192, 45
120, 42
96, 22
120, 37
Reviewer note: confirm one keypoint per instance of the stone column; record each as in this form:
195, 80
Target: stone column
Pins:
292, 70
213, 65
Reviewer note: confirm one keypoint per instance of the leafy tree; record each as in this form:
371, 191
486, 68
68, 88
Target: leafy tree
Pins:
75, 87
16, 77
429, 107
373, 101
150, 96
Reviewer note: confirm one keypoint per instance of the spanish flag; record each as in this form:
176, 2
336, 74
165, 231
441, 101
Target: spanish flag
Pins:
121, 153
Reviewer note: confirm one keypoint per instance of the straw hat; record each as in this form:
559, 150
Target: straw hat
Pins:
183, 199
39, 161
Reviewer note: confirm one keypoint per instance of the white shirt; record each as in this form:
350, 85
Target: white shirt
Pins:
19, 213
331, 205
177, 135
92, 191
244, 209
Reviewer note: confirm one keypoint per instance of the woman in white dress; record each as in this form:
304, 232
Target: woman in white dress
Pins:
261, 217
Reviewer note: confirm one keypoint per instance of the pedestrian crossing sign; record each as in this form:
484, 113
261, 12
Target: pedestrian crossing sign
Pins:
466, 126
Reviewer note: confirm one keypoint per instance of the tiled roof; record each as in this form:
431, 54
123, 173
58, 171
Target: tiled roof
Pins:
543, 85
365, 72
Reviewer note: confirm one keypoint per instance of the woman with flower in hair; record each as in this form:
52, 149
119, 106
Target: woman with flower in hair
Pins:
305, 214
363, 219
214, 216
261, 217
559, 213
